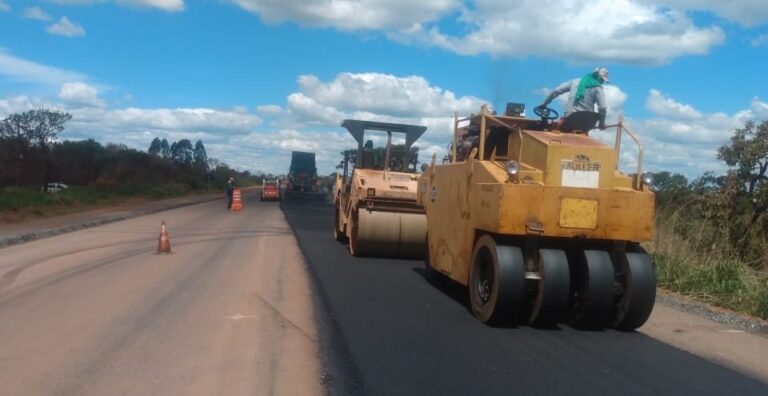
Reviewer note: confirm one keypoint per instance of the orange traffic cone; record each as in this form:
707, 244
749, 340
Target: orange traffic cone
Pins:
163, 243
237, 200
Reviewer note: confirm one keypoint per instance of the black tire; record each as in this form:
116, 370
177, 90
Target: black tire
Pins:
639, 292
552, 296
496, 282
594, 285
354, 249
337, 232
429, 272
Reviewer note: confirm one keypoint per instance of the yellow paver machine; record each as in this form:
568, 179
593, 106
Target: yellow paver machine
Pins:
539, 223
375, 206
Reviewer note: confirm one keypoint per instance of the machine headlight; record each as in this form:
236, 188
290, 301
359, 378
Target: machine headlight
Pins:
371, 192
647, 179
513, 167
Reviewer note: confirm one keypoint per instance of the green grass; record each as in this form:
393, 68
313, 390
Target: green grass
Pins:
715, 275
35, 202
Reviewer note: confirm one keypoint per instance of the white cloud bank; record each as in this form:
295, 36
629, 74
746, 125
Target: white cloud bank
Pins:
677, 137
629, 31
681, 139
65, 27
745, 12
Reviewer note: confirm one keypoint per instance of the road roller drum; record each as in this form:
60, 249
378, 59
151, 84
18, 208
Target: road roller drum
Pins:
389, 234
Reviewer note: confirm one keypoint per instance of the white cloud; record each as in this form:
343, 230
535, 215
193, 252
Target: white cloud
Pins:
760, 40
269, 109
630, 31
586, 31
666, 107
351, 14
165, 5
220, 130
36, 13
79, 93
405, 97
376, 97
65, 27
4, 7
745, 12
23, 70
679, 138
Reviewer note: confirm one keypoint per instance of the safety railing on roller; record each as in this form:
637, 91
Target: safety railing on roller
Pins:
622, 128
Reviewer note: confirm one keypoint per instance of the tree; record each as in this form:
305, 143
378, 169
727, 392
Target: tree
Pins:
200, 156
165, 150
36, 129
748, 154
182, 152
155, 148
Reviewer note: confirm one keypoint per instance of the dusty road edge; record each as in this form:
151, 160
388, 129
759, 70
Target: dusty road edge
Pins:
32, 236
733, 319
340, 375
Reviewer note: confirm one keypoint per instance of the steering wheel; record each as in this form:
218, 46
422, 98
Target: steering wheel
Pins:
546, 113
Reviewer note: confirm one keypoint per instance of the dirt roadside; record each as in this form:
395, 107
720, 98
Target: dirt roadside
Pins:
12, 233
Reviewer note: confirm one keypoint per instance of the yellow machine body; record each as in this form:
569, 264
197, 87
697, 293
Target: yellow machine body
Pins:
531, 188
375, 206
379, 216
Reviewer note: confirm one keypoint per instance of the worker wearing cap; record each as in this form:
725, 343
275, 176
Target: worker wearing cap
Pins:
584, 94
230, 191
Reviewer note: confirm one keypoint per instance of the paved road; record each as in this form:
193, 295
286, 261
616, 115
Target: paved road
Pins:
95, 312
399, 334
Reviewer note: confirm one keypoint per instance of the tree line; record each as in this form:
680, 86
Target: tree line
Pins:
727, 214
31, 157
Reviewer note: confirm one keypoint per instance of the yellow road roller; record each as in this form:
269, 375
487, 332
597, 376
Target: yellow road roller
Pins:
375, 206
539, 223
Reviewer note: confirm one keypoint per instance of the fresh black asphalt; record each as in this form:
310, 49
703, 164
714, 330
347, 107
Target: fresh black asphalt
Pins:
386, 330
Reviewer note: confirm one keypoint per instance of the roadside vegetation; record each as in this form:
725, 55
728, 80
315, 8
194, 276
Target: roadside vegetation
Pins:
31, 157
712, 233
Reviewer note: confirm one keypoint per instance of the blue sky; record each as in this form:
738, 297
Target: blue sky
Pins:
255, 79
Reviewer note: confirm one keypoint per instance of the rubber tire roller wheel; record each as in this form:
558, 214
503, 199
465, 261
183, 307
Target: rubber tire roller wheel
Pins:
496, 282
551, 303
594, 289
639, 292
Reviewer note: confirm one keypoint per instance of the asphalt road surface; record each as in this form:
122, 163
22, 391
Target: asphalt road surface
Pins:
397, 333
95, 312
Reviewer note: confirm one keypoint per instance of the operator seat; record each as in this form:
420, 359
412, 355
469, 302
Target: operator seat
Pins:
580, 121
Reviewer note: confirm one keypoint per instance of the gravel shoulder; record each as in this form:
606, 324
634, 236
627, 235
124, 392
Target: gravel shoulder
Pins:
15, 233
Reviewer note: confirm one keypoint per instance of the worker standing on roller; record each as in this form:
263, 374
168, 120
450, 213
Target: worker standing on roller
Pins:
585, 93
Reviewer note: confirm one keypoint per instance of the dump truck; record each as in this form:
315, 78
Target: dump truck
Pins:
270, 190
539, 223
302, 181
375, 205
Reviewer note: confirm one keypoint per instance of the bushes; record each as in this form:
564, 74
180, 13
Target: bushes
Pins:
697, 264
725, 282
24, 201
